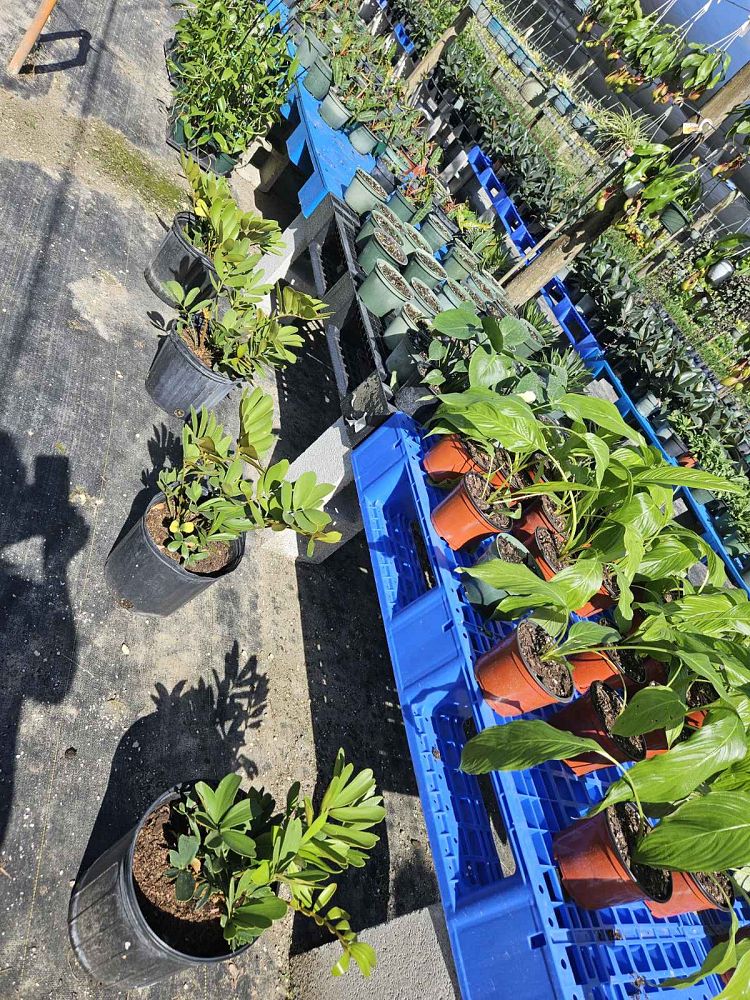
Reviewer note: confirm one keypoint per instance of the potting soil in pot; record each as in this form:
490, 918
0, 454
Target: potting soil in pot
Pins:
552, 675
480, 492
157, 525
180, 925
509, 552
608, 705
625, 826
717, 886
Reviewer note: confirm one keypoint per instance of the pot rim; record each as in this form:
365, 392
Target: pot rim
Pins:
169, 796
609, 811
195, 361
180, 222
178, 567
562, 701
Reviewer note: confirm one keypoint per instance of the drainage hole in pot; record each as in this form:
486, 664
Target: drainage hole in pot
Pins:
497, 827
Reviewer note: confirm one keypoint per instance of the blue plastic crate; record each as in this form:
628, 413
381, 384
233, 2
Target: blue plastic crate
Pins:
515, 934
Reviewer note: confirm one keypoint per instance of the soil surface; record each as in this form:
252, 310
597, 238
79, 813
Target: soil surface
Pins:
393, 278
180, 925
552, 675
375, 186
546, 543
425, 293
480, 492
701, 693
392, 245
717, 886
608, 705
507, 551
157, 524
429, 263
630, 663
200, 349
625, 827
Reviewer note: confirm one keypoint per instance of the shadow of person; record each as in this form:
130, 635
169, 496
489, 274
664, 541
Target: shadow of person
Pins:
39, 642
193, 732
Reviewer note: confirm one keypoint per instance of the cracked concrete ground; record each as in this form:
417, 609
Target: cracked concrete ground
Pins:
269, 671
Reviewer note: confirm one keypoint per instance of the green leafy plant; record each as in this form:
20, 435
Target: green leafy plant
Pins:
237, 848
209, 501
242, 340
223, 104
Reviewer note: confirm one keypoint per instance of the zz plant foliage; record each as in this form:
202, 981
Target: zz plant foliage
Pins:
209, 500
239, 848
233, 70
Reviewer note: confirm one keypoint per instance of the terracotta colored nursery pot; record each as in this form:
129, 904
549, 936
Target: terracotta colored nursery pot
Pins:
582, 718
532, 517
450, 458
687, 897
601, 600
506, 682
592, 869
459, 521
590, 667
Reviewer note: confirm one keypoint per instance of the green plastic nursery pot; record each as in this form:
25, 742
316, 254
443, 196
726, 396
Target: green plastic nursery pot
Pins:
458, 265
532, 91
310, 48
417, 242
402, 361
381, 246
384, 289
318, 79
406, 319
376, 221
401, 206
424, 298
425, 268
363, 140
674, 218
452, 295
333, 112
208, 159
364, 193
434, 232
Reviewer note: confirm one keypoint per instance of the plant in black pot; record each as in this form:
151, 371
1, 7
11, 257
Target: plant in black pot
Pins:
216, 343
208, 869
214, 226
221, 105
193, 531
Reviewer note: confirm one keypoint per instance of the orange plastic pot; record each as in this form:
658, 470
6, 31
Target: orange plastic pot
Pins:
450, 458
533, 517
600, 601
507, 685
590, 667
458, 521
687, 897
581, 718
592, 869
687, 460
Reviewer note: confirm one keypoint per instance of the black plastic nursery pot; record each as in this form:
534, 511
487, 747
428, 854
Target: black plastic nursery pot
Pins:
108, 930
148, 581
207, 159
178, 260
178, 379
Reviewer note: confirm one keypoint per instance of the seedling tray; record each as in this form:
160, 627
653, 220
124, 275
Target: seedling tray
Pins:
513, 933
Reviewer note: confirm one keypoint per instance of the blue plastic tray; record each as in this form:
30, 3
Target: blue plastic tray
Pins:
514, 935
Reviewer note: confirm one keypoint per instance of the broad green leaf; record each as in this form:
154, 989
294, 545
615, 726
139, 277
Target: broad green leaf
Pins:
184, 887
710, 833
364, 955
673, 775
518, 745
649, 709
240, 843
600, 412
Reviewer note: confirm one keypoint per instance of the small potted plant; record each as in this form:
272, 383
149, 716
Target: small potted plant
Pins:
215, 345
425, 268
214, 228
198, 879
193, 531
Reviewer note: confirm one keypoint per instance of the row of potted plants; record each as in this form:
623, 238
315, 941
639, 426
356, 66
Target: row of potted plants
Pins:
579, 511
